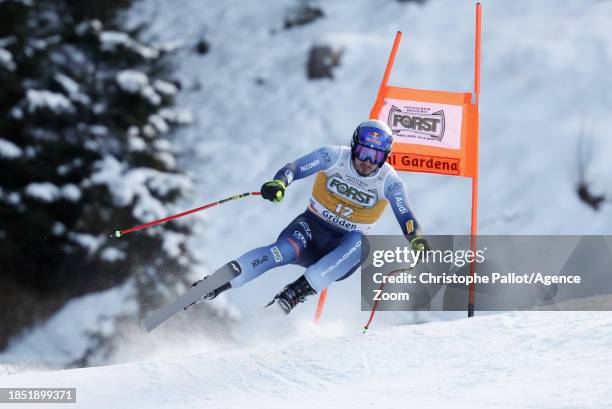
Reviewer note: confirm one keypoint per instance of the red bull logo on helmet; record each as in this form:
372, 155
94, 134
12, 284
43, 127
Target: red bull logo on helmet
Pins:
374, 138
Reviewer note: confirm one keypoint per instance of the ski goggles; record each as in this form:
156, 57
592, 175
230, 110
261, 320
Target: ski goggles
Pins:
375, 156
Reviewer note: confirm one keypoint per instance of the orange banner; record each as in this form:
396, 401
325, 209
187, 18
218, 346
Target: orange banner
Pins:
433, 131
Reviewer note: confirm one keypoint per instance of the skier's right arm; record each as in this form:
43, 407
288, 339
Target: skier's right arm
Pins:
307, 165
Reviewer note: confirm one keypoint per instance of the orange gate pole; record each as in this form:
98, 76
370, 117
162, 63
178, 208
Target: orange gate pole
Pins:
383, 84
474, 222
320, 305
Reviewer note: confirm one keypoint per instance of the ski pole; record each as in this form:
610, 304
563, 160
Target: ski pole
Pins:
380, 288
119, 233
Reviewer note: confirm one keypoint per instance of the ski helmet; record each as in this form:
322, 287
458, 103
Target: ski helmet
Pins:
372, 140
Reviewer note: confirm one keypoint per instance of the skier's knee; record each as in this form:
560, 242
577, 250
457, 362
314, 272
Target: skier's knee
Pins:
360, 240
365, 250
283, 251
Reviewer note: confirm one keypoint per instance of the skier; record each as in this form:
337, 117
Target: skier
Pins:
351, 190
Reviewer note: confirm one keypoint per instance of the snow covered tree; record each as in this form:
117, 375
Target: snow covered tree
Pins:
86, 113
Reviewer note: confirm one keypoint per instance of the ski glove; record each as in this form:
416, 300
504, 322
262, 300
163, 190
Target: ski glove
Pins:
273, 190
418, 243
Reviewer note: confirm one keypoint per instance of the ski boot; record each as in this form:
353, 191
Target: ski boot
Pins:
213, 294
293, 294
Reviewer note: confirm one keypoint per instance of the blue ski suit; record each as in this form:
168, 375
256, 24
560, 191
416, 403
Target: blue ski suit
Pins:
328, 238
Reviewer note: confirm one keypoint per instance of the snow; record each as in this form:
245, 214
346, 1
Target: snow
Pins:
599, 166
88, 241
162, 145
129, 185
58, 229
132, 81
8, 150
91, 145
149, 131
65, 336
136, 144
14, 198
6, 60
6, 41
159, 123
519, 360
172, 244
112, 255
45, 191
71, 192
89, 26
136, 82
17, 113
69, 85
181, 116
113, 40
42, 99
48, 192
166, 182
98, 130
133, 131
169, 46
72, 89
167, 159
165, 88
150, 95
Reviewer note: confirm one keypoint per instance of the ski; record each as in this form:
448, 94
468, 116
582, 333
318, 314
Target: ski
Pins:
268, 304
220, 277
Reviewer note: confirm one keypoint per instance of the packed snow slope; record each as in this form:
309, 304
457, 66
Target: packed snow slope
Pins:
519, 360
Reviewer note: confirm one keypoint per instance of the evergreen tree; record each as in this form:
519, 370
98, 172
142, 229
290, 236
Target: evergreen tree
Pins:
86, 113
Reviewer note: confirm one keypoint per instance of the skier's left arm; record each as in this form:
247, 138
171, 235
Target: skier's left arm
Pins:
315, 161
397, 195
302, 167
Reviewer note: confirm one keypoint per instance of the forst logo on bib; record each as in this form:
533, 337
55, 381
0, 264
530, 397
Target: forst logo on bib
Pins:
338, 186
417, 124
